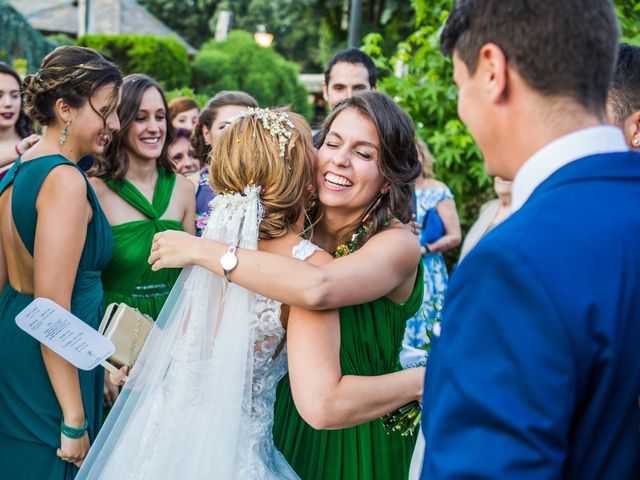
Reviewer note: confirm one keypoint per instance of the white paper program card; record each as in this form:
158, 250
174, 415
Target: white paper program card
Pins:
64, 333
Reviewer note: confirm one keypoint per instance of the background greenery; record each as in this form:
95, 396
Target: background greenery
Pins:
238, 63
306, 31
402, 35
425, 90
162, 58
20, 45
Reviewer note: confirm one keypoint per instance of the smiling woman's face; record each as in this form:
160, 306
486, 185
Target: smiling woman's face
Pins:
348, 175
9, 101
146, 135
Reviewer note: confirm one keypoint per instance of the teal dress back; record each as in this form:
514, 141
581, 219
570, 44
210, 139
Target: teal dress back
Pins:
30, 414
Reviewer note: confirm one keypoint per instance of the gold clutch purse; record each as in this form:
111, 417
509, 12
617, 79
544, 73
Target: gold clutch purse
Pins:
128, 329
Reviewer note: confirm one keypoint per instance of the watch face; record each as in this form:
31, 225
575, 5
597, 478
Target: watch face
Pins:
228, 261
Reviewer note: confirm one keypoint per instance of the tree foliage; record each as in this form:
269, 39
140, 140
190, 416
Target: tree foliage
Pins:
628, 13
20, 44
426, 91
237, 63
191, 19
307, 32
163, 58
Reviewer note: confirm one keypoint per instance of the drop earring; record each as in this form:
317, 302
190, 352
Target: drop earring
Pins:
372, 207
65, 132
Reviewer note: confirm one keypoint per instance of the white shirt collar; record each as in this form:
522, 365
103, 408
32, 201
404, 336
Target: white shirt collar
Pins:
555, 155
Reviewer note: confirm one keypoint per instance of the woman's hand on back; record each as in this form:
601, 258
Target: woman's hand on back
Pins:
28, 142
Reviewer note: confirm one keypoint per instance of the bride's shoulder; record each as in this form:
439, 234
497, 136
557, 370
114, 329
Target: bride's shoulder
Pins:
293, 245
310, 252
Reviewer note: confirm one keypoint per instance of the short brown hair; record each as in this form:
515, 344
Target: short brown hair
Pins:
181, 104
561, 48
624, 92
246, 154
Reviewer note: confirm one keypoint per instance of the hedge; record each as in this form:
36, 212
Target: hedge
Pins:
163, 58
238, 63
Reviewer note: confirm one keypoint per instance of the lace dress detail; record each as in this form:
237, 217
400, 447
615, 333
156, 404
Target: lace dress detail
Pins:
199, 403
185, 387
262, 459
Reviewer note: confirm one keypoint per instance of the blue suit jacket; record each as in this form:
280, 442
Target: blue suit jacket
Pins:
536, 374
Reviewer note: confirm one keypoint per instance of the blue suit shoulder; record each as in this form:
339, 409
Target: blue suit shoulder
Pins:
535, 374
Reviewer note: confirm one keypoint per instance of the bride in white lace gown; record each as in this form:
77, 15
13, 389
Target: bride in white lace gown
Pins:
199, 401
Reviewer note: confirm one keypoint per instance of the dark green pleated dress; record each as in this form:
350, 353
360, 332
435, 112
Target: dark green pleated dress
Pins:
128, 277
30, 414
371, 339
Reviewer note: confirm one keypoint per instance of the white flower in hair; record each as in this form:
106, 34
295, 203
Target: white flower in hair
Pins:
275, 123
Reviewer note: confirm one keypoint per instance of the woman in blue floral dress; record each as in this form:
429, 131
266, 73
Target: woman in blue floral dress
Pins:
430, 193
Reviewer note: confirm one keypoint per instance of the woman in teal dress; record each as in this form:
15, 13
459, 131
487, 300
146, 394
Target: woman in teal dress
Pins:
55, 241
141, 196
364, 173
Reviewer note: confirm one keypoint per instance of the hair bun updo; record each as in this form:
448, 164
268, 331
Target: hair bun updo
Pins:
71, 73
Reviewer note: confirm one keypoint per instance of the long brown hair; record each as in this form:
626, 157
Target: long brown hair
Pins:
114, 162
201, 149
398, 160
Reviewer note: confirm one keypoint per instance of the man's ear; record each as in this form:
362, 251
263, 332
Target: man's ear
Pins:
494, 71
632, 129
375, 88
325, 91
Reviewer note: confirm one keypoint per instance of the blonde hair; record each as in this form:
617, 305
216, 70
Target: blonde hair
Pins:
247, 154
425, 157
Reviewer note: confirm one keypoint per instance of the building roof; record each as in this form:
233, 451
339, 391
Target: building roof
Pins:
108, 17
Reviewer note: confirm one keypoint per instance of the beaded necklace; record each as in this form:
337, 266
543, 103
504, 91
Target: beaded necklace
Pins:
350, 245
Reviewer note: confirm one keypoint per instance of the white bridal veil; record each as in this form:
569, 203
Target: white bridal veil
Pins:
183, 412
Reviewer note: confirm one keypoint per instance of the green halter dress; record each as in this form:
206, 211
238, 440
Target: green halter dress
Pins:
128, 277
370, 341
30, 414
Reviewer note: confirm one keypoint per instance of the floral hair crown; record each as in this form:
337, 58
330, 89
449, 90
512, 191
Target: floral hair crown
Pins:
275, 123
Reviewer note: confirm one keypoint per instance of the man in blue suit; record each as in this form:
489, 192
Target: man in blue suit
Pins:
536, 373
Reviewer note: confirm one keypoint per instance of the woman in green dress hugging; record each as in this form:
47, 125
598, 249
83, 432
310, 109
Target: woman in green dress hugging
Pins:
364, 173
54, 243
141, 196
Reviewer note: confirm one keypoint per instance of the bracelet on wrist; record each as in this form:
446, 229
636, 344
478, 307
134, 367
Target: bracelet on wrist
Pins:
74, 433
